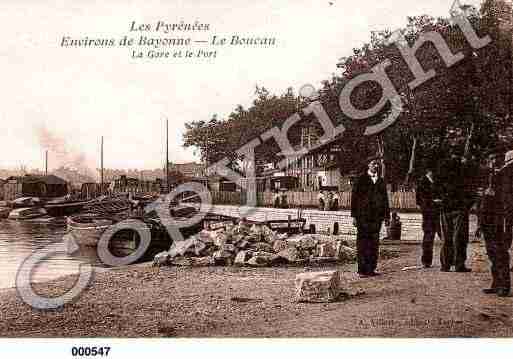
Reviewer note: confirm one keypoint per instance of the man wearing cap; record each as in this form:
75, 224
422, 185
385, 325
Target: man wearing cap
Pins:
369, 208
428, 196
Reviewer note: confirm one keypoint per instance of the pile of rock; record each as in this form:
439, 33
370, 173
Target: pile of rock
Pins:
256, 246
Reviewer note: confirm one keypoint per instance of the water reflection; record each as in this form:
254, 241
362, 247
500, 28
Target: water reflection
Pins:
19, 239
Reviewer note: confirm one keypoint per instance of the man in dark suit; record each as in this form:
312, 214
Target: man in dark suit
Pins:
369, 208
428, 196
491, 220
458, 199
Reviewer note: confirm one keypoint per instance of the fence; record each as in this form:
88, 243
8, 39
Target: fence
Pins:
12, 190
398, 200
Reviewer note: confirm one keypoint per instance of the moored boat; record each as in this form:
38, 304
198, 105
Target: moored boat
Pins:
108, 206
87, 229
64, 208
25, 202
20, 214
4, 212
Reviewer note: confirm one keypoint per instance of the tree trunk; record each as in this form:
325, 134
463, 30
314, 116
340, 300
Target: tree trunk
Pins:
381, 154
412, 161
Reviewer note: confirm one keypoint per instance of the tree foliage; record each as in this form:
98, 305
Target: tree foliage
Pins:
439, 114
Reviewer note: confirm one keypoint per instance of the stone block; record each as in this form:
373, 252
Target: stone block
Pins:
327, 249
202, 261
262, 247
179, 248
345, 253
243, 244
206, 236
227, 247
220, 239
303, 242
318, 287
161, 259
262, 259
242, 257
290, 254
181, 262
280, 245
220, 255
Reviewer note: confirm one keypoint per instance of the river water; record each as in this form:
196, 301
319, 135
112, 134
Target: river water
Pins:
20, 239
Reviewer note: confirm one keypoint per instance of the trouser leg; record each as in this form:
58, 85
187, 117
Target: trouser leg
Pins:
427, 248
362, 239
429, 227
461, 238
374, 245
489, 232
502, 261
367, 246
447, 251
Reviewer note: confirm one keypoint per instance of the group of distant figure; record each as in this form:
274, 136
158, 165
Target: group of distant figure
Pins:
280, 199
446, 201
328, 201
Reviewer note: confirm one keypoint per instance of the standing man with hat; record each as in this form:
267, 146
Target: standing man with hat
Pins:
369, 208
491, 221
428, 196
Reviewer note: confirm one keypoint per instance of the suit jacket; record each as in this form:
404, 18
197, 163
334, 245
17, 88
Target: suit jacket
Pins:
458, 193
425, 194
491, 208
369, 201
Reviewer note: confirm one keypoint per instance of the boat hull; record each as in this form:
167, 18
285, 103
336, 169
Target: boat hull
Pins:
87, 233
22, 214
64, 209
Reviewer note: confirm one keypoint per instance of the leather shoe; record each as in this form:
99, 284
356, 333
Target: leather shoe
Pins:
463, 270
490, 290
445, 269
375, 274
503, 292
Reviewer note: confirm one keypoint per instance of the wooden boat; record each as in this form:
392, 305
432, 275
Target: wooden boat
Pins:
20, 214
4, 212
25, 202
87, 229
108, 206
182, 211
61, 208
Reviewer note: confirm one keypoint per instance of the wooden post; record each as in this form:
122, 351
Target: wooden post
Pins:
167, 157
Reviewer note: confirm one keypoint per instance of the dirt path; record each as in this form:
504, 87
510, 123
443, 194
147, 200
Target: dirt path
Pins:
219, 302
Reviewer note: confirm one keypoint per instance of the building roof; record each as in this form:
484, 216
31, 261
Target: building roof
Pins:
49, 179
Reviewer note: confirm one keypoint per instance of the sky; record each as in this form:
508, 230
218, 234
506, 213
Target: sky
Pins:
64, 99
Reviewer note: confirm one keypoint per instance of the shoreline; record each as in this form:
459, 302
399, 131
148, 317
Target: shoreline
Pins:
96, 269
144, 301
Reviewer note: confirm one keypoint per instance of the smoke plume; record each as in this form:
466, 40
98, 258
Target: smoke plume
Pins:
61, 154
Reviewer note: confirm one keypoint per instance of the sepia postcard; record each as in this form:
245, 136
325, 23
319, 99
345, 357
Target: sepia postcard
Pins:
241, 169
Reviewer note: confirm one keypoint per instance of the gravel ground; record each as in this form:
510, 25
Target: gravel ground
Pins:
243, 302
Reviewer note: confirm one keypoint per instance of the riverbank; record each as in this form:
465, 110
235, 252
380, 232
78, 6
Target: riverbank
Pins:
142, 301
